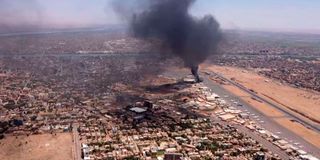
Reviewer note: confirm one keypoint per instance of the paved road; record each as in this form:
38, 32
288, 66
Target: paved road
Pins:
315, 127
76, 141
82, 55
265, 143
259, 117
264, 121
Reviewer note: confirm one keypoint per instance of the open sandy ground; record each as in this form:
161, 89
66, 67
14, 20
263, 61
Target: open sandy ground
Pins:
37, 147
300, 100
304, 101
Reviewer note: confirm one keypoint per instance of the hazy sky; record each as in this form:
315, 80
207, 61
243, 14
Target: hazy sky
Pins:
293, 15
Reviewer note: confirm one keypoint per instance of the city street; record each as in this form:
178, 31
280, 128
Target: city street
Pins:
76, 141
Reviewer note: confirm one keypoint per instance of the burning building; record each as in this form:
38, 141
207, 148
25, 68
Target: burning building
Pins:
190, 38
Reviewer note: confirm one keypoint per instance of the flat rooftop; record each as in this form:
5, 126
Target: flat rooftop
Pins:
138, 110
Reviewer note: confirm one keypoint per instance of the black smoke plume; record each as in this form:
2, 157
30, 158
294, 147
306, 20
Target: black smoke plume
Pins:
190, 38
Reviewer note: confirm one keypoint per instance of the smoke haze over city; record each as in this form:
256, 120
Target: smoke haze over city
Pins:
159, 79
248, 14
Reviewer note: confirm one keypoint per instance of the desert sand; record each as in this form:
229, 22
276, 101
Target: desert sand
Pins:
37, 147
302, 102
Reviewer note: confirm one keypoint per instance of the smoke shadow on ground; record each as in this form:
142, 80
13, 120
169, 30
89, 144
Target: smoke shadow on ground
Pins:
169, 87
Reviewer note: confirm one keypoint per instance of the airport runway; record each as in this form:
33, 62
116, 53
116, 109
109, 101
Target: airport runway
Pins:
264, 121
314, 127
265, 143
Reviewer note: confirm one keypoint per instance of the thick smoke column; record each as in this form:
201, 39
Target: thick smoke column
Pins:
192, 39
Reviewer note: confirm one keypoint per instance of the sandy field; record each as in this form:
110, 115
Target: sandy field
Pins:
305, 133
37, 147
304, 101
